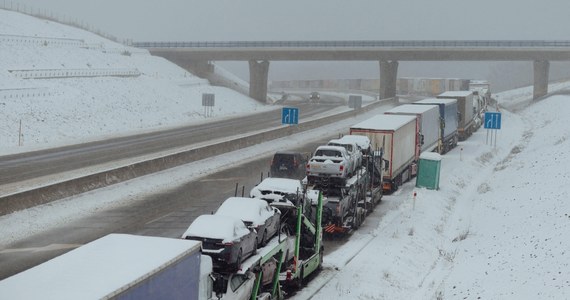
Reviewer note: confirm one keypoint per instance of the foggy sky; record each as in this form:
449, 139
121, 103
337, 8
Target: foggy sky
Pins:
222, 20
250, 20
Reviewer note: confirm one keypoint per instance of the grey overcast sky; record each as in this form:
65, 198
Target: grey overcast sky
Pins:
241, 20
222, 20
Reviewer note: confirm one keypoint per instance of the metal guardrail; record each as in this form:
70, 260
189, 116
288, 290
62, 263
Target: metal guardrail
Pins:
46, 41
67, 73
360, 44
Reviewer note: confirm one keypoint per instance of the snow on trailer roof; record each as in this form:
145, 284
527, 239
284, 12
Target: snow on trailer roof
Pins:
436, 101
384, 122
456, 94
478, 82
98, 269
410, 108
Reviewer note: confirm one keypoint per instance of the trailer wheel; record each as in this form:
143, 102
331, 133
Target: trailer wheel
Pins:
396, 182
361, 216
357, 221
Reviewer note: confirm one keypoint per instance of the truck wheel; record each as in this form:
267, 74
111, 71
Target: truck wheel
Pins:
356, 222
396, 183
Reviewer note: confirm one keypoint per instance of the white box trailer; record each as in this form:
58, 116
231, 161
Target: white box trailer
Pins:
465, 118
427, 123
448, 121
118, 266
396, 134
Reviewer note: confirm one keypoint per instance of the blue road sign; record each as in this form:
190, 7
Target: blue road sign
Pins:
492, 120
290, 115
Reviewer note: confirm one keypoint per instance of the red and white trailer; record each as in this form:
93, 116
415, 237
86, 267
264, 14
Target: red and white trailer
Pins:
396, 135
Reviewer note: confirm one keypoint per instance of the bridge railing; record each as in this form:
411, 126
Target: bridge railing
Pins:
361, 44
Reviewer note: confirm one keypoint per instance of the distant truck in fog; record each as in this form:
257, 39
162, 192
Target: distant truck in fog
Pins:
482, 88
481, 96
466, 112
448, 122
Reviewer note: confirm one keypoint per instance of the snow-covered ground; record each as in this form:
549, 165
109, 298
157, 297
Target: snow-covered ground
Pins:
498, 228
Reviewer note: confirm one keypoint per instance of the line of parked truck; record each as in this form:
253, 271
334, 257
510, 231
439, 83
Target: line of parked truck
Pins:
433, 124
258, 246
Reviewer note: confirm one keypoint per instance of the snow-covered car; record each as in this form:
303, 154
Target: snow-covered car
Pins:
233, 285
226, 239
255, 213
362, 141
329, 162
353, 150
278, 191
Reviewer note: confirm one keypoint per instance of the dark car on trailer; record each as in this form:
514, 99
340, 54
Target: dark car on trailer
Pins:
226, 239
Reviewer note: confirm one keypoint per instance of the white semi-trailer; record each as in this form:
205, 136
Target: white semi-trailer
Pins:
427, 123
118, 266
448, 115
466, 112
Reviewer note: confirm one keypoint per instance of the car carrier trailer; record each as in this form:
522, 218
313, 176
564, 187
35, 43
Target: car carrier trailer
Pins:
291, 256
347, 203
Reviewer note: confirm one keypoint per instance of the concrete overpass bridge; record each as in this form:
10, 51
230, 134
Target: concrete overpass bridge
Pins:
196, 56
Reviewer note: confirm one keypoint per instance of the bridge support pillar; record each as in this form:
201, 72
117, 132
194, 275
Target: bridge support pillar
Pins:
258, 76
388, 78
541, 70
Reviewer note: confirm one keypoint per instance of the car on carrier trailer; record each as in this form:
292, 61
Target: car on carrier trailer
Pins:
330, 161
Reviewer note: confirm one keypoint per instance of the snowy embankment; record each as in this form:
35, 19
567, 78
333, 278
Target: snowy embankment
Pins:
46, 88
498, 228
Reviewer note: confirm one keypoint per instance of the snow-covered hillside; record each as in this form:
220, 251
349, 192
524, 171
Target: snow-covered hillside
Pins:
59, 82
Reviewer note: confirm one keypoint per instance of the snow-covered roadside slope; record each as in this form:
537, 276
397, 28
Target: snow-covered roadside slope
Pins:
498, 228
519, 242
70, 107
